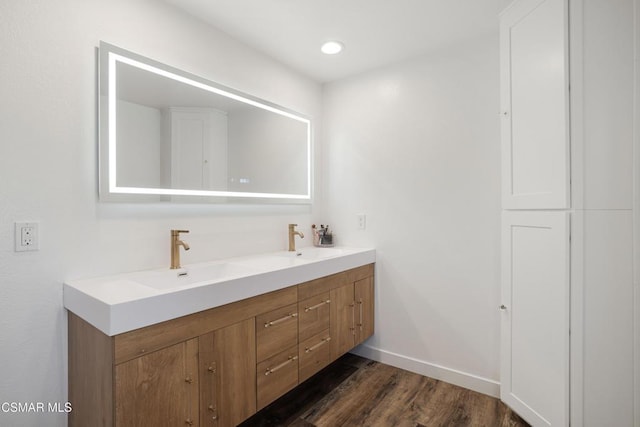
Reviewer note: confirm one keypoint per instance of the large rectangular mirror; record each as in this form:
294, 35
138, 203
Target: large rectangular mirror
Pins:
166, 134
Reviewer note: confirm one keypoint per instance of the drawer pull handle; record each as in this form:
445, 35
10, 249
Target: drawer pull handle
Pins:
310, 349
280, 366
314, 307
283, 319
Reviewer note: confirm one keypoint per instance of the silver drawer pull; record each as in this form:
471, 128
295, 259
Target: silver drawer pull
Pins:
313, 307
283, 319
280, 366
310, 349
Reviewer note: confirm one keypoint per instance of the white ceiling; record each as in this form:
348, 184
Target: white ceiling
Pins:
375, 32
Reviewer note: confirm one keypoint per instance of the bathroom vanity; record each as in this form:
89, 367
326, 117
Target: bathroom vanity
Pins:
265, 330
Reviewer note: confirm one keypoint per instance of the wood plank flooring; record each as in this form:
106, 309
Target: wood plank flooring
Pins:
354, 391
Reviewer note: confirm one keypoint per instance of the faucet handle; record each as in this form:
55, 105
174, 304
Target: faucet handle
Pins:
179, 231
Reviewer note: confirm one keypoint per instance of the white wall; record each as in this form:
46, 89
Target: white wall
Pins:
415, 147
48, 171
139, 153
259, 143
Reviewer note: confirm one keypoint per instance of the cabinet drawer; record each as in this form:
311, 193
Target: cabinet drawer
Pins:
276, 376
276, 330
313, 315
315, 354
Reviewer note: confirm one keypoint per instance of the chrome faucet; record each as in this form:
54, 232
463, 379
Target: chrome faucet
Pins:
175, 247
292, 235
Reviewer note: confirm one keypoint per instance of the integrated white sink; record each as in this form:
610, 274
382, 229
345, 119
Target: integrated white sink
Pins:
193, 275
124, 302
271, 262
314, 253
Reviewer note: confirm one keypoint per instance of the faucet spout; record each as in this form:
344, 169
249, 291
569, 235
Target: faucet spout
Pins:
175, 248
292, 234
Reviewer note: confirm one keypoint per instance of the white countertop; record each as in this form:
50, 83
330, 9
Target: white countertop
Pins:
124, 302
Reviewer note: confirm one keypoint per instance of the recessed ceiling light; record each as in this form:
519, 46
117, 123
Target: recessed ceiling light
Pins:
332, 47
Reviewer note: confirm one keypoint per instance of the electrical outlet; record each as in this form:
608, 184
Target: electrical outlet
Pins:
26, 237
362, 221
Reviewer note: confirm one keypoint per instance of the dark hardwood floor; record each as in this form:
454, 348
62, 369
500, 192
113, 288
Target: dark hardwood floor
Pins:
354, 391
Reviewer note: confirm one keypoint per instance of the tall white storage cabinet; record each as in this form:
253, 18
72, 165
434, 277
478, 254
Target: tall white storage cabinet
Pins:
535, 240
567, 319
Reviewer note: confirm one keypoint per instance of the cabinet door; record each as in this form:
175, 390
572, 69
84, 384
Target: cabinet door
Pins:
534, 369
198, 149
342, 320
160, 388
535, 105
227, 375
363, 291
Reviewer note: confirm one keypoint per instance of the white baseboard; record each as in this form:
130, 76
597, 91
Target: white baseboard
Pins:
431, 370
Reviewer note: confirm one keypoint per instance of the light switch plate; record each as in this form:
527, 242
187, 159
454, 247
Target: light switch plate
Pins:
362, 221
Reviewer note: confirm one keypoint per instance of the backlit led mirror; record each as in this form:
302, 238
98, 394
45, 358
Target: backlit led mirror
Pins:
168, 135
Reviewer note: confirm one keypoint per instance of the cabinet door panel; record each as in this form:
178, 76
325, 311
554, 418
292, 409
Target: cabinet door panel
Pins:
535, 105
230, 352
209, 402
535, 316
342, 320
198, 149
364, 309
160, 388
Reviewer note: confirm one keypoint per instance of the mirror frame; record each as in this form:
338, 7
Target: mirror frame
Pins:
109, 55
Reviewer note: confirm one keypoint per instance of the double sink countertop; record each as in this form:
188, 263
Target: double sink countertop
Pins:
124, 302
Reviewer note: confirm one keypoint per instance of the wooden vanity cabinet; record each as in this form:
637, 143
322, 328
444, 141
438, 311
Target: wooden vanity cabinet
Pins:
347, 310
219, 366
227, 376
351, 315
206, 381
160, 388
198, 369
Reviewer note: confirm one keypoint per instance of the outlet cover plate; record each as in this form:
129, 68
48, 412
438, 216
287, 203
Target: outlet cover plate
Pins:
27, 236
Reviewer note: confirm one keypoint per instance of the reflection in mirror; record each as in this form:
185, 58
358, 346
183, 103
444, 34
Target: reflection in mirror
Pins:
168, 133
